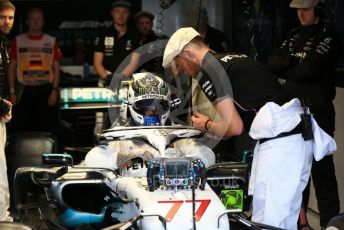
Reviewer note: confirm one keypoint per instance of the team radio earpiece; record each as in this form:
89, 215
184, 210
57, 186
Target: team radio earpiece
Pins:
319, 10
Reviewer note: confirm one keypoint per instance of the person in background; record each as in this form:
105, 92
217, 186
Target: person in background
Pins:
305, 63
80, 55
114, 44
216, 39
144, 24
113, 56
265, 110
34, 75
7, 10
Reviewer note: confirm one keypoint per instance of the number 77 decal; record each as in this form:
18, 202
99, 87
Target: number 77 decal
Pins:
178, 203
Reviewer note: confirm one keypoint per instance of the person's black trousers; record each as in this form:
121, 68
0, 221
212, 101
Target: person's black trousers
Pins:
326, 189
324, 176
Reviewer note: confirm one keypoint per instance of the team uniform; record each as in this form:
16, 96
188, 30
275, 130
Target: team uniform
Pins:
282, 158
115, 48
306, 62
34, 57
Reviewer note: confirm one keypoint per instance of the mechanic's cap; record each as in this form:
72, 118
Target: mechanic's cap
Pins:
177, 42
301, 4
143, 14
121, 3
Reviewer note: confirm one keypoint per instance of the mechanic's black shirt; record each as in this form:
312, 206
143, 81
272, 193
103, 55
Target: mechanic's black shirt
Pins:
115, 48
242, 78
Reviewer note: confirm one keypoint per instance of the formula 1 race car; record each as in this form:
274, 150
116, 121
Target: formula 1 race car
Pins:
170, 192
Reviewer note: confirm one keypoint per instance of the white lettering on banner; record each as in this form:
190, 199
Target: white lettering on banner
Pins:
76, 94
91, 94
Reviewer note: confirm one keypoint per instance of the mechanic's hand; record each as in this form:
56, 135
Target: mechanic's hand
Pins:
198, 121
8, 115
53, 97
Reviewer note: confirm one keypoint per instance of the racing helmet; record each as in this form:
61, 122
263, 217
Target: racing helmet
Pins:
148, 100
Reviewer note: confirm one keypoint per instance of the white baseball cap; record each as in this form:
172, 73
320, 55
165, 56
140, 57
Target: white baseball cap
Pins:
176, 44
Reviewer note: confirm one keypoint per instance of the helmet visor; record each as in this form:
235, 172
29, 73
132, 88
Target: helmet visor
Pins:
150, 107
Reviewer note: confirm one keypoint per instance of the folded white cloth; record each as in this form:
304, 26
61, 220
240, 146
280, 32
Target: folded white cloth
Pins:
273, 119
323, 144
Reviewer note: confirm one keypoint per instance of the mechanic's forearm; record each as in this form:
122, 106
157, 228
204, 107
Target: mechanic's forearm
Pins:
223, 130
98, 65
218, 129
101, 71
132, 66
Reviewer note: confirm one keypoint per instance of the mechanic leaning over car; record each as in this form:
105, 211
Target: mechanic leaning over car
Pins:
306, 62
258, 105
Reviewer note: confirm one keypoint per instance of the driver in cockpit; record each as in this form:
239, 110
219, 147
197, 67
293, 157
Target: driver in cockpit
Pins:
148, 105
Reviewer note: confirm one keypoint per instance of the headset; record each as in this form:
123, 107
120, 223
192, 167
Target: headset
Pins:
319, 10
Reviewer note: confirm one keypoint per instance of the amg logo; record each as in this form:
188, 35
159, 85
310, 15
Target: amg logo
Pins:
84, 24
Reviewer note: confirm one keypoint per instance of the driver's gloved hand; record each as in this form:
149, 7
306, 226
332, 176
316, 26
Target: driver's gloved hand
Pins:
126, 159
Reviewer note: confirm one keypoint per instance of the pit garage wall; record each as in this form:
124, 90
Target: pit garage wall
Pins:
339, 155
339, 136
184, 13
